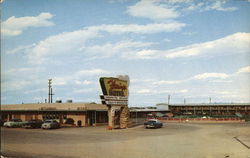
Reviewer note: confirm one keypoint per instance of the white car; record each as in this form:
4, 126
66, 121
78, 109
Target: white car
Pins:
49, 124
14, 123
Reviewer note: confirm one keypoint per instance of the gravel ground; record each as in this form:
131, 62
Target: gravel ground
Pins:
174, 140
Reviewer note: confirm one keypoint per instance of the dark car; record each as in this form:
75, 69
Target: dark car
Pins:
153, 123
2, 122
36, 123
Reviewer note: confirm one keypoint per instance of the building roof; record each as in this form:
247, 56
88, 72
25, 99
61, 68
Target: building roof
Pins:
211, 104
54, 107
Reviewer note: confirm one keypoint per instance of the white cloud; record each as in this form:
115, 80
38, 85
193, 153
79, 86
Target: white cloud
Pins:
208, 5
36, 90
140, 29
153, 91
152, 10
24, 70
217, 5
143, 54
85, 82
21, 49
211, 75
92, 72
221, 81
114, 48
14, 85
244, 70
172, 9
14, 26
238, 42
189, 33
167, 40
182, 91
163, 82
224, 92
235, 43
76, 77
74, 42
85, 90
143, 91
60, 81
64, 43
14, 74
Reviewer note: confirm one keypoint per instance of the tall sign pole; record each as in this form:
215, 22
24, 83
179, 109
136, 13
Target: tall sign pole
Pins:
115, 96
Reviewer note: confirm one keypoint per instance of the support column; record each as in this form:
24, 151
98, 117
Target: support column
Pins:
9, 117
61, 118
124, 117
110, 117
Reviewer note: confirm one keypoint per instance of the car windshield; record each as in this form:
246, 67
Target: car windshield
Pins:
35, 120
151, 121
17, 120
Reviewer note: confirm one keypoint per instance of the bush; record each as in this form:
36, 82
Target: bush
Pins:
69, 121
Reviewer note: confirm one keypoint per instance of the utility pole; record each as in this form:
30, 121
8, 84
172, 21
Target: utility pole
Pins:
184, 101
210, 100
51, 94
168, 99
50, 91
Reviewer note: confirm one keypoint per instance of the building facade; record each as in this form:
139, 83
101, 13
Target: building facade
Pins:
83, 114
211, 109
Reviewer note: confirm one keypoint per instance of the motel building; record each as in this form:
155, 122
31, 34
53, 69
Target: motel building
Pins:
83, 114
92, 114
211, 109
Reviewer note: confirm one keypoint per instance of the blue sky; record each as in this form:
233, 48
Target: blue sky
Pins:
188, 49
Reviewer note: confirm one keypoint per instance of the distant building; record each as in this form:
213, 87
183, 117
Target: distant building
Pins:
221, 109
84, 114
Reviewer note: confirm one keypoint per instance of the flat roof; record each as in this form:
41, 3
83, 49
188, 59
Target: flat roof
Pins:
212, 104
53, 107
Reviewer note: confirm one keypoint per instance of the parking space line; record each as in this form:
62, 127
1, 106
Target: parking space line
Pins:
241, 142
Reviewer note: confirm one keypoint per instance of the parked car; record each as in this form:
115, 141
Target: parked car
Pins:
50, 124
153, 123
35, 123
14, 123
2, 122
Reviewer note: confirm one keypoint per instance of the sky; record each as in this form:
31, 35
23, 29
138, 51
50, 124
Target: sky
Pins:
192, 50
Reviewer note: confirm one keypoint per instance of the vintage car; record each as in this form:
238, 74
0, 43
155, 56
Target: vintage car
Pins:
2, 122
35, 123
14, 123
153, 123
50, 124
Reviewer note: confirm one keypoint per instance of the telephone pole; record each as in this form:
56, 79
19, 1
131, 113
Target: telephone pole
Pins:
50, 91
168, 99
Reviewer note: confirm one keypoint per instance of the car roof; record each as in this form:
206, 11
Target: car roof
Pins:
153, 120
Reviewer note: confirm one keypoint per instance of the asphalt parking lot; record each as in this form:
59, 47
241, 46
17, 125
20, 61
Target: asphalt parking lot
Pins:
174, 140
